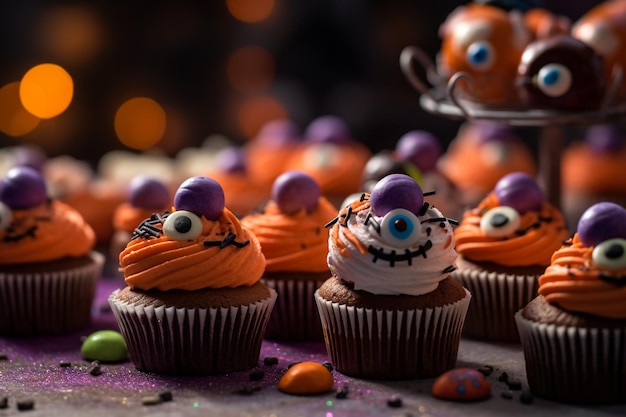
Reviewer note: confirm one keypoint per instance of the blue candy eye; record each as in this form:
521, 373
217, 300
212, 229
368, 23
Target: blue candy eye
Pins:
610, 254
480, 55
554, 80
400, 228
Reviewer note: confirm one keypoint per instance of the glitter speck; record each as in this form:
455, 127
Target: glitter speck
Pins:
329, 414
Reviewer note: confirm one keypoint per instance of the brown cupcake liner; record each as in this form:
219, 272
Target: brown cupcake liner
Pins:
392, 344
496, 297
295, 316
48, 302
193, 341
574, 365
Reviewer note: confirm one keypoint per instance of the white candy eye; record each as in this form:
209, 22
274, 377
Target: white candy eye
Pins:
182, 225
400, 228
610, 254
554, 80
500, 221
5, 215
480, 55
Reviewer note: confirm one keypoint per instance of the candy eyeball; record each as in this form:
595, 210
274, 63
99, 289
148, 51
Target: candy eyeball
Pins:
610, 254
149, 193
294, 190
202, 196
400, 228
328, 129
601, 222
480, 56
421, 148
500, 221
519, 191
23, 187
554, 80
396, 191
182, 225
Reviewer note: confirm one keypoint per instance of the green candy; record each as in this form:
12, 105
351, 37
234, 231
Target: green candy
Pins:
105, 346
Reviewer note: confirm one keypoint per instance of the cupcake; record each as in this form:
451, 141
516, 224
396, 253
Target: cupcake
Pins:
146, 195
391, 309
331, 157
574, 332
48, 270
504, 244
294, 241
193, 304
591, 171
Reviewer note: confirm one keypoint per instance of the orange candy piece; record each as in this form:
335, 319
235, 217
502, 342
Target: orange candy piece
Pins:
306, 378
462, 384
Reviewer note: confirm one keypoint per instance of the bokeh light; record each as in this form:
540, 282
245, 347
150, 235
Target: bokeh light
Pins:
254, 112
250, 69
46, 90
250, 11
140, 123
14, 119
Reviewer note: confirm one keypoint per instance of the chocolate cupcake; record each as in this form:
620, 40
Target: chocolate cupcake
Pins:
574, 332
391, 309
194, 304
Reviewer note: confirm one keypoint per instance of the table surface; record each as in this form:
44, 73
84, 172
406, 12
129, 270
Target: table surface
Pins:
32, 372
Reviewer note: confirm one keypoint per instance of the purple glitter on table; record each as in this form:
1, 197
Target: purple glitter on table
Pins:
33, 370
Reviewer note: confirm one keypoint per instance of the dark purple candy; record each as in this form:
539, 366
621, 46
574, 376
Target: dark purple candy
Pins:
148, 193
201, 196
396, 191
279, 132
231, 159
519, 191
600, 222
421, 148
23, 187
294, 191
328, 129
494, 131
605, 138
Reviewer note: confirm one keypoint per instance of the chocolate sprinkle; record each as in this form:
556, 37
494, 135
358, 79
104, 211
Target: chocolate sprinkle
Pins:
270, 361
526, 397
95, 368
147, 228
228, 240
394, 402
342, 393
166, 396
65, 364
4, 402
514, 384
25, 405
256, 374
4, 356
151, 400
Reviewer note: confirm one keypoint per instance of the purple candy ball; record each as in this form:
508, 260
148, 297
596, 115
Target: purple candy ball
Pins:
23, 187
148, 193
519, 191
421, 148
396, 191
328, 129
279, 132
605, 138
600, 222
201, 196
231, 159
294, 191
494, 131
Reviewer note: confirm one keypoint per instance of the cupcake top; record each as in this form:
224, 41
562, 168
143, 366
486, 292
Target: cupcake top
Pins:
588, 273
34, 228
146, 195
391, 241
513, 226
291, 226
200, 244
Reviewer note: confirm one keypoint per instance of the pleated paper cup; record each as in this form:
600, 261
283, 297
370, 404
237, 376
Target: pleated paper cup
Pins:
193, 341
574, 364
496, 297
49, 298
392, 344
295, 316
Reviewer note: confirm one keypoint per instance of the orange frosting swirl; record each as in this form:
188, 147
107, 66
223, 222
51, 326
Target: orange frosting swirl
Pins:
127, 217
48, 232
539, 235
163, 263
297, 242
573, 282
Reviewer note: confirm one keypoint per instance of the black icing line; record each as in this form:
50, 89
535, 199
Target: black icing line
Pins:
228, 240
393, 256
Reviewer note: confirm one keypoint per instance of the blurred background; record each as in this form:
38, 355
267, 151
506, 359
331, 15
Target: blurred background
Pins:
166, 75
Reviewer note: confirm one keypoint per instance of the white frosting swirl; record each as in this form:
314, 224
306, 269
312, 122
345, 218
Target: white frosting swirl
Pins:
361, 251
